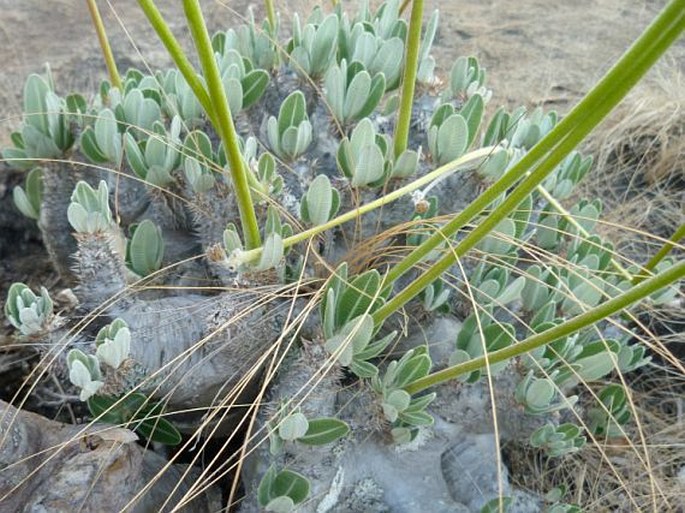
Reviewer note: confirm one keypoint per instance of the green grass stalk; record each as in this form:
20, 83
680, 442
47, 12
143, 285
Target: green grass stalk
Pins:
114, 76
411, 65
661, 254
470, 160
270, 13
544, 156
178, 56
219, 102
565, 329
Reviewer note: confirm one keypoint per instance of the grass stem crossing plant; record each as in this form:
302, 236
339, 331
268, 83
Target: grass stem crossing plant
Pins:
283, 283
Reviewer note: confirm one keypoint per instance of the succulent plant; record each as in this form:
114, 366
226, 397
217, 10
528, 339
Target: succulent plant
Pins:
199, 192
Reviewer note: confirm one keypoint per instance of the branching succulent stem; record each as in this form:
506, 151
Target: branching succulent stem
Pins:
565, 329
661, 254
582, 231
114, 76
411, 65
470, 160
544, 156
229, 137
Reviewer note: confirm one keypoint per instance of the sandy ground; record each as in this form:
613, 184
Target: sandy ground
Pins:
536, 51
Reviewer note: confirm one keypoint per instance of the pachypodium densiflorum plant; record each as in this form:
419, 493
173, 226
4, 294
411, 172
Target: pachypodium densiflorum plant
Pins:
186, 181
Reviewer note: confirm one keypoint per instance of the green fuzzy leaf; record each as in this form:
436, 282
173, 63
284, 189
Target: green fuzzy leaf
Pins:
415, 368
90, 148
107, 136
103, 409
323, 431
293, 427
358, 297
159, 430
323, 46
285, 483
134, 156
29, 201
452, 140
416, 418
254, 84
356, 95
318, 201
472, 112
145, 249
369, 167
362, 369
35, 92
292, 112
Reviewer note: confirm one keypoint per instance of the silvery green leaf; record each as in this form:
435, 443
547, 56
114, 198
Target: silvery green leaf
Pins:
472, 112
583, 297
453, 138
357, 95
107, 136
323, 431
146, 248
319, 200
369, 167
282, 504
374, 97
294, 426
90, 147
292, 112
232, 239
335, 87
29, 201
353, 337
365, 49
399, 399
500, 240
304, 137
35, 91
487, 291
459, 76
272, 252
406, 164
200, 180
540, 393
289, 142
114, 351
495, 165
429, 36
512, 292
80, 376
273, 136
401, 435
37, 144
234, 94
547, 232
300, 61
594, 367
389, 412
323, 45
89, 210
134, 156
362, 135
254, 84
388, 60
